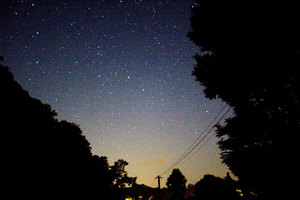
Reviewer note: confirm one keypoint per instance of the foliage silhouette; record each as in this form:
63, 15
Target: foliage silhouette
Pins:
120, 176
44, 158
176, 184
213, 188
249, 59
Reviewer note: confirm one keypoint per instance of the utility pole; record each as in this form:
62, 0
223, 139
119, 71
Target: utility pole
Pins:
158, 179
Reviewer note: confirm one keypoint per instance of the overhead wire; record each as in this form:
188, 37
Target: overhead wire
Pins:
191, 155
197, 143
198, 140
200, 147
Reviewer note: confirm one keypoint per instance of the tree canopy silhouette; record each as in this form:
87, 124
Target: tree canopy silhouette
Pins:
120, 176
176, 184
249, 58
215, 188
44, 158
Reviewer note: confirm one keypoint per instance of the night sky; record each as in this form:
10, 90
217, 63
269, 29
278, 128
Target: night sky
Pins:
121, 70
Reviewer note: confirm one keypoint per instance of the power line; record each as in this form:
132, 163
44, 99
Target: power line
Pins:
196, 150
191, 146
196, 142
206, 136
205, 141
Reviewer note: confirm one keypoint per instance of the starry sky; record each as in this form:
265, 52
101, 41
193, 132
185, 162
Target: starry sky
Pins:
121, 70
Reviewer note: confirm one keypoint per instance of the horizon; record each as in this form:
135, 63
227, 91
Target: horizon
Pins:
121, 70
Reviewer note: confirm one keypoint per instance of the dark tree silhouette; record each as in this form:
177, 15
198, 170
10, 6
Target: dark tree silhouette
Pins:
120, 176
44, 158
249, 59
215, 188
100, 180
176, 184
120, 179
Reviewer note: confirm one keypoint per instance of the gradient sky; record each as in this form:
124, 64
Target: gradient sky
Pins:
121, 70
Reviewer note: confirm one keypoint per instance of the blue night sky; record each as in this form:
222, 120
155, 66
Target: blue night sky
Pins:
121, 70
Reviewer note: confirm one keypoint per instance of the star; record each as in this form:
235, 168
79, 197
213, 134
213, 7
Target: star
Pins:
121, 70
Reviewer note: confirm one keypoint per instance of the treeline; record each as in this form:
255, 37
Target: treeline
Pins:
209, 187
250, 59
44, 158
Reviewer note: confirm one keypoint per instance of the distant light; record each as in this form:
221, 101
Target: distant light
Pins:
240, 192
